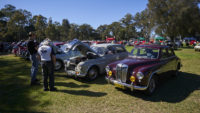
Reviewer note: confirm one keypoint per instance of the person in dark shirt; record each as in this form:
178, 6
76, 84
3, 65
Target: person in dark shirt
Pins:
32, 49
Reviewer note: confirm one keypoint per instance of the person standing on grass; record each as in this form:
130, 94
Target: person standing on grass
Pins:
32, 49
48, 59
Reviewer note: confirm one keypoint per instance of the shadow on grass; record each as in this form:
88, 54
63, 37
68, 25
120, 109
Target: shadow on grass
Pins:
84, 93
4, 53
14, 87
71, 85
99, 80
172, 89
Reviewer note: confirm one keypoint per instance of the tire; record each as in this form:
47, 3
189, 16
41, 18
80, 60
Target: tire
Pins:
93, 73
58, 65
151, 87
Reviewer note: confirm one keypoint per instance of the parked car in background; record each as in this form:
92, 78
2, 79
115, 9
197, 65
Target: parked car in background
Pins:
170, 44
90, 62
141, 70
87, 42
59, 44
197, 47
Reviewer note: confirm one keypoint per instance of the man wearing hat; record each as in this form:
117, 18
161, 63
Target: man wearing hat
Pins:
47, 58
32, 49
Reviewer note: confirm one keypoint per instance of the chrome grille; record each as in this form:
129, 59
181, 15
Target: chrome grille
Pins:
121, 72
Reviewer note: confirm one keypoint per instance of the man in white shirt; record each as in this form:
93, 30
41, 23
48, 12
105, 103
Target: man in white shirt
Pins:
47, 58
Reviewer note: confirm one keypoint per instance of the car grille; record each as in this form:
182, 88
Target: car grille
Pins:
121, 72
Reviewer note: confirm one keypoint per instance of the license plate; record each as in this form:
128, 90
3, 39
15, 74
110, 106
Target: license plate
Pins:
119, 86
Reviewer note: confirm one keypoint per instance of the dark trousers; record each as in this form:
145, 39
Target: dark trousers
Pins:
48, 72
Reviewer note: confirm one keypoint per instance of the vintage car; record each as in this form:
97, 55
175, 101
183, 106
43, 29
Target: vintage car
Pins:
141, 70
91, 61
59, 54
197, 47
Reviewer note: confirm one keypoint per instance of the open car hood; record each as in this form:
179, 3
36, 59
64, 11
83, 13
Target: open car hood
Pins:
77, 44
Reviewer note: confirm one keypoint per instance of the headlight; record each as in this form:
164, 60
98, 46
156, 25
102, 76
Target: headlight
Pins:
140, 75
66, 62
132, 79
107, 69
109, 73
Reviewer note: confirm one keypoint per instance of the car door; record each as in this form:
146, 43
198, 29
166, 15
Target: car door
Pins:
172, 60
164, 60
121, 52
112, 54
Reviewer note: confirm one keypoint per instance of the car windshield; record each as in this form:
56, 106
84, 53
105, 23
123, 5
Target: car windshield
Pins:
99, 50
149, 53
65, 47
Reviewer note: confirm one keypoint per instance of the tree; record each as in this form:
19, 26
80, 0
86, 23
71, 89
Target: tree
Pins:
85, 31
129, 27
8, 11
64, 29
127, 20
174, 17
115, 30
103, 31
143, 23
40, 26
51, 31
16, 25
73, 31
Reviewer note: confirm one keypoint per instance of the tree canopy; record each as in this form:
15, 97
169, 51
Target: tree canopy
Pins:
167, 18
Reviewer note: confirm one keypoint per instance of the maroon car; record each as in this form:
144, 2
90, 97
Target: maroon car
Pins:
141, 70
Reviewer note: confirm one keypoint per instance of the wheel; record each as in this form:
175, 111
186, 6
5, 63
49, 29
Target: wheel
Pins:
152, 86
58, 65
92, 73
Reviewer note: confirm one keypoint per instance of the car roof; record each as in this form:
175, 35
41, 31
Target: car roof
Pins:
106, 45
154, 46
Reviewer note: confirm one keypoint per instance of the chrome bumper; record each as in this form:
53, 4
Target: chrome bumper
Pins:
74, 73
130, 86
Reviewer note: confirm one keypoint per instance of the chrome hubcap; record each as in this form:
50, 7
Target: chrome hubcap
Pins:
92, 74
58, 65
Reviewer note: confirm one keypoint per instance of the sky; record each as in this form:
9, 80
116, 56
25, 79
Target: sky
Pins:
93, 12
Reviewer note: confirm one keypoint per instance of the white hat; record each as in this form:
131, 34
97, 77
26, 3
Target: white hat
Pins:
46, 42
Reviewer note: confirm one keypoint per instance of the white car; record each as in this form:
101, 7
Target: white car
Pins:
197, 47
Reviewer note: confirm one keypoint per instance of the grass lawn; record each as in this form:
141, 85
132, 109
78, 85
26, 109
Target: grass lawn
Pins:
174, 95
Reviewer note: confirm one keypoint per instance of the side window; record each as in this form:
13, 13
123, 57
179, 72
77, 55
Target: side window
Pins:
119, 49
164, 53
171, 52
111, 50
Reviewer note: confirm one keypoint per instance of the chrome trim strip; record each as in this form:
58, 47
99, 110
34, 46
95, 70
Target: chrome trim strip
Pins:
73, 73
121, 72
152, 76
130, 86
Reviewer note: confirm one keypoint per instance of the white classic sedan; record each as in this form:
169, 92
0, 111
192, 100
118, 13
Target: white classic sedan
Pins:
197, 47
